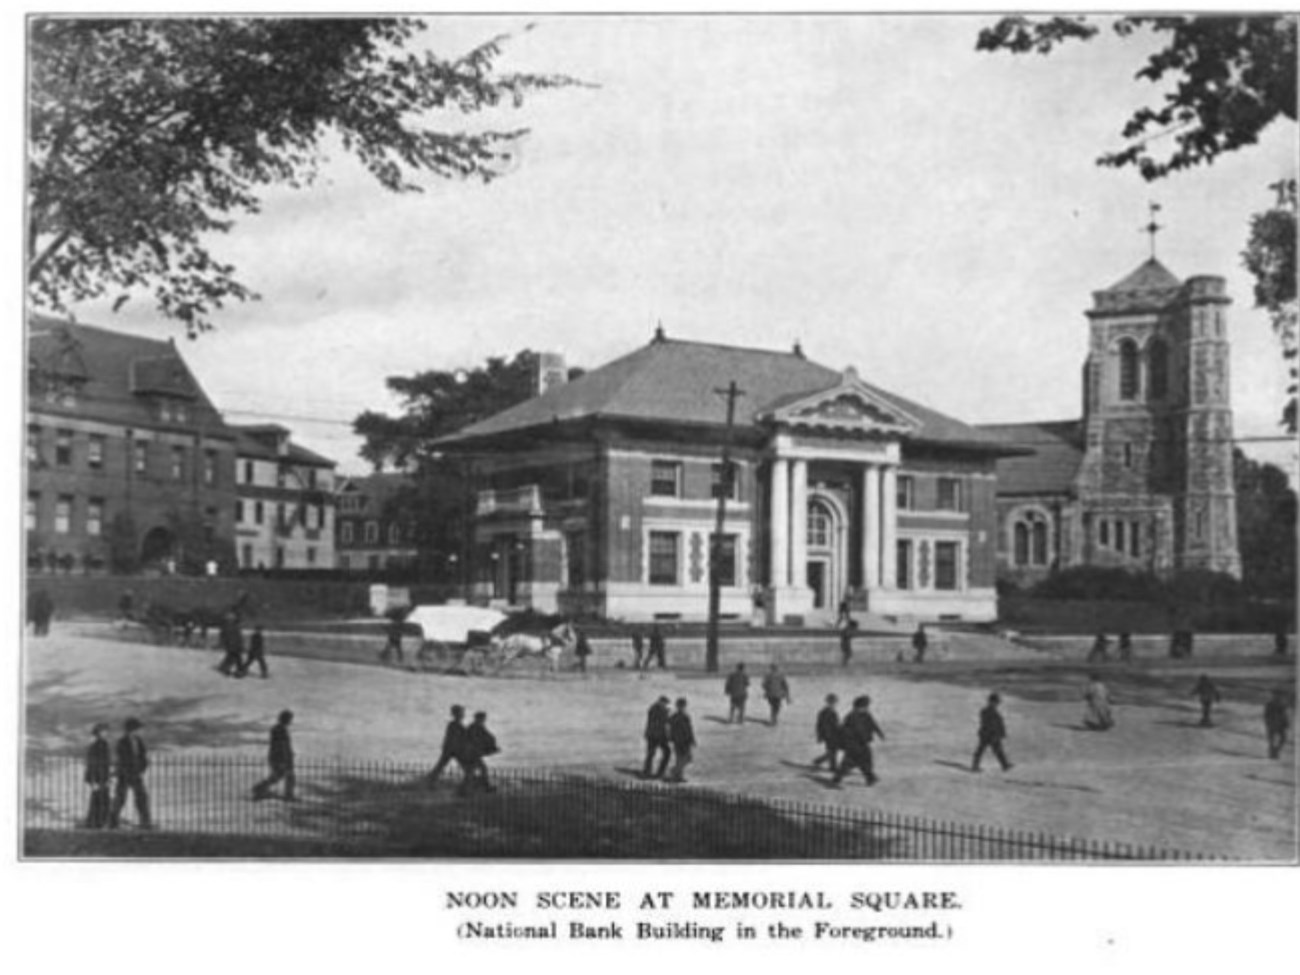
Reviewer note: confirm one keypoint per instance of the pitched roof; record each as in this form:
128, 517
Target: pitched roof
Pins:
113, 370
258, 440
1051, 467
1151, 275
675, 381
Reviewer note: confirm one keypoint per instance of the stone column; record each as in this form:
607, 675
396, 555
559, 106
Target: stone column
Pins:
870, 527
779, 534
799, 526
889, 528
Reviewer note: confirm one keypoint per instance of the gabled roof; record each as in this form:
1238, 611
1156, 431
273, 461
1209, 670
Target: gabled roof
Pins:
1057, 451
118, 375
1151, 275
257, 441
673, 381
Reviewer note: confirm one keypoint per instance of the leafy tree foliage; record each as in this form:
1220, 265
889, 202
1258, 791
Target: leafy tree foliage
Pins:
1231, 77
1270, 256
147, 137
1266, 527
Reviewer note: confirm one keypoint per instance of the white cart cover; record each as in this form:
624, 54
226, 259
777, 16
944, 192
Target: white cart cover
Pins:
452, 624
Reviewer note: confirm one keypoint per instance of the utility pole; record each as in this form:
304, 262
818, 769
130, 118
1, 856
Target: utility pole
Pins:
726, 480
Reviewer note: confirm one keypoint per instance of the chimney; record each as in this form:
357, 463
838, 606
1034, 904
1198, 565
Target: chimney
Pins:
551, 372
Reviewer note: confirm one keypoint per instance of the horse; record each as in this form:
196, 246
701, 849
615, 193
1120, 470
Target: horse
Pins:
547, 646
204, 618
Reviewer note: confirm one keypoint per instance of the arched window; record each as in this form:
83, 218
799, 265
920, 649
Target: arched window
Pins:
819, 525
1021, 543
1157, 370
1128, 369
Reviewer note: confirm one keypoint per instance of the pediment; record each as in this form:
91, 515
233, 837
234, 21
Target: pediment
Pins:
849, 406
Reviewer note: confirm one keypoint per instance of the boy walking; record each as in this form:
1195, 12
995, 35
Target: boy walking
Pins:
992, 732
280, 758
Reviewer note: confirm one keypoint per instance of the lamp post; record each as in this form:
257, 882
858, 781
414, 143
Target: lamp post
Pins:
715, 543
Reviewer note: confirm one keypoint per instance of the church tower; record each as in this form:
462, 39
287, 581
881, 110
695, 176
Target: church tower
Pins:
1155, 484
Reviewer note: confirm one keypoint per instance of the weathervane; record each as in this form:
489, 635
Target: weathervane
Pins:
1152, 228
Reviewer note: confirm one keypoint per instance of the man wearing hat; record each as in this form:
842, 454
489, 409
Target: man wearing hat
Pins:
280, 758
99, 762
827, 732
453, 745
856, 735
132, 761
682, 734
992, 732
656, 738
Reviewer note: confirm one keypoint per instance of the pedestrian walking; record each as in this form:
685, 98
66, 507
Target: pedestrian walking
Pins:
827, 732
992, 732
1208, 694
256, 654
847, 625
736, 687
1099, 648
657, 741
857, 731
682, 734
280, 758
232, 642
1096, 698
99, 767
581, 651
1276, 723
777, 691
1125, 647
393, 640
658, 647
638, 648
40, 610
132, 763
920, 643
479, 743
453, 745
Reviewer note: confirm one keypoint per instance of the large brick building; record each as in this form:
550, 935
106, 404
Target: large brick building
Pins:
128, 462
374, 529
600, 494
1144, 480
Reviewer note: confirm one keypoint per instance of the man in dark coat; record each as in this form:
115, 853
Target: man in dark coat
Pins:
1208, 694
736, 687
920, 643
638, 648
477, 745
827, 732
232, 642
992, 732
453, 744
581, 651
656, 739
280, 758
856, 734
682, 734
132, 762
1276, 723
777, 691
99, 761
393, 639
846, 640
658, 647
256, 654
40, 610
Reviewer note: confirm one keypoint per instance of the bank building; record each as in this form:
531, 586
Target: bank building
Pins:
600, 495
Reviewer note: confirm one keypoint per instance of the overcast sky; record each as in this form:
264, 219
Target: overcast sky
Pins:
869, 186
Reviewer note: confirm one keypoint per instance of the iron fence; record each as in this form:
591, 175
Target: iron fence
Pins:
391, 809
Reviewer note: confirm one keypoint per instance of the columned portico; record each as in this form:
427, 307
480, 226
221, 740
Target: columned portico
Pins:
870, 526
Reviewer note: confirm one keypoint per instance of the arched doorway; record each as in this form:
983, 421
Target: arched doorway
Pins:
158, 546
826, 560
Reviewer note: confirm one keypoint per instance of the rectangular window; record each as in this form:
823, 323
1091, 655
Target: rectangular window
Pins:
248, 472
95, 517
720, 482
945, 565
1134, 545
239, 511
345, 533
140, 452
311, 554
209, 467
726, 559
63, 448
663, 558
33, 444
95, 451
1119, 536
948, 496
63, 514
665, 478
372, 532
906, 492
1103, 533
904, 566
33, 511
178, 463
259, 512
575, 544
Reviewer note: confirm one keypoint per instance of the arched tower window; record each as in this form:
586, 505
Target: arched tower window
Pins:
1128, 369
1021, 543
1029, 539
1157, 369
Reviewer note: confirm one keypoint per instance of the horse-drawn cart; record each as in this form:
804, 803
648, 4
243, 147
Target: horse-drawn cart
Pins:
456, 638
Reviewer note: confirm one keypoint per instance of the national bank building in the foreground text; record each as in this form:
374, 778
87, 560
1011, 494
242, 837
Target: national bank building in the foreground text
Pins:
600, 495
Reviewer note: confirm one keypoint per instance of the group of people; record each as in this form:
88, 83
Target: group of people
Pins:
846, 743
468, 746
237, 659
126, 762
651, 649
669, 736
776, 691
848, 628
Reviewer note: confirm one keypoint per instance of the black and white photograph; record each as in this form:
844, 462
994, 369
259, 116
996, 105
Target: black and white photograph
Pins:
753, 439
